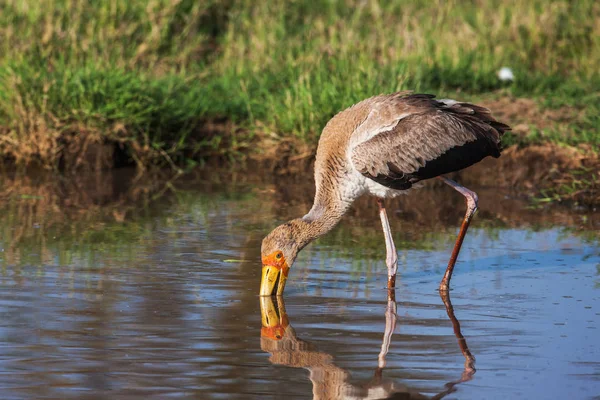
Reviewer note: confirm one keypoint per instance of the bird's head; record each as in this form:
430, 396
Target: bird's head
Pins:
278, 253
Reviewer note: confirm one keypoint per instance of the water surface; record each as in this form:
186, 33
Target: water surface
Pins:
112, 290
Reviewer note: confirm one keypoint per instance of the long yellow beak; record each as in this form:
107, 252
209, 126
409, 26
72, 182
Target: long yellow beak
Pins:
273, 280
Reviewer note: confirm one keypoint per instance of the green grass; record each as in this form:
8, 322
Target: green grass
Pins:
148, 74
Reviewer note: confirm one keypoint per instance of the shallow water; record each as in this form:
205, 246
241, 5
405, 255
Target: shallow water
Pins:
156, 297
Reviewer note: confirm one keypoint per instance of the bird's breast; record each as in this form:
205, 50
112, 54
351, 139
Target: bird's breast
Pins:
355, 185
384, 192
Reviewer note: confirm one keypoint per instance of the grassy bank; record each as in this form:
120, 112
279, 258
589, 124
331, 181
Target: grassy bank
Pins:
178, 81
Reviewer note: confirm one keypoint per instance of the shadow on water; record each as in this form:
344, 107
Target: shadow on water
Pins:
279, 339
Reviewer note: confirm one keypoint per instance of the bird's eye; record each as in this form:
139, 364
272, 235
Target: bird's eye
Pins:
279, 255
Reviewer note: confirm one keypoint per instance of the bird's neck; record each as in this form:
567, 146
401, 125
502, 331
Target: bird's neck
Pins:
322, 218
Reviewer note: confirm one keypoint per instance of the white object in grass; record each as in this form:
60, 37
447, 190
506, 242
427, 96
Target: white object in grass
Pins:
506, 74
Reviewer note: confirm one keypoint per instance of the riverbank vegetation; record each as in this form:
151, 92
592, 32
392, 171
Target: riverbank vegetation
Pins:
177, 82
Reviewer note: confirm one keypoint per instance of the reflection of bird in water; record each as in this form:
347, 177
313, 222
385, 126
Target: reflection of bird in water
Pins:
383, 146
332, 382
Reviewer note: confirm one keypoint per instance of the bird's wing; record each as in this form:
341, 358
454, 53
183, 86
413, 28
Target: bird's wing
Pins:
431, 138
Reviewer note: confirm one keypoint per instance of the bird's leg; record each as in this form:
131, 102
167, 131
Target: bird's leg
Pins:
471, 198
469, 369
391, 258
390, 327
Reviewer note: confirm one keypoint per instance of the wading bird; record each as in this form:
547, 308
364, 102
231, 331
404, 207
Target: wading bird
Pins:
384, 146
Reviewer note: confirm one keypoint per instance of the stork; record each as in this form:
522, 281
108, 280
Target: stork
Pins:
384, 146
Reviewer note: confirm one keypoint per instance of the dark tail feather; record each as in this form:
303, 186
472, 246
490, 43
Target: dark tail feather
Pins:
481, 113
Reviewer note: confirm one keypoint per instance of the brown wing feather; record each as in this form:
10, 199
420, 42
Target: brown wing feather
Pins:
436, 139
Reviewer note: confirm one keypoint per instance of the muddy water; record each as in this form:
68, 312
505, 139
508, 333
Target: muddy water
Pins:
130, 290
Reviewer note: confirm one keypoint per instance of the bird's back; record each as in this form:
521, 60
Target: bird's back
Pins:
399, 139
409, 138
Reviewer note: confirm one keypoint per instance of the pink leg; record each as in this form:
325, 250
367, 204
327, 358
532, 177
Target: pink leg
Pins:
471, 198
391, 258
390, 327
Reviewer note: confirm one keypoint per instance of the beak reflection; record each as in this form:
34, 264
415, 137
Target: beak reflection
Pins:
273, 317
